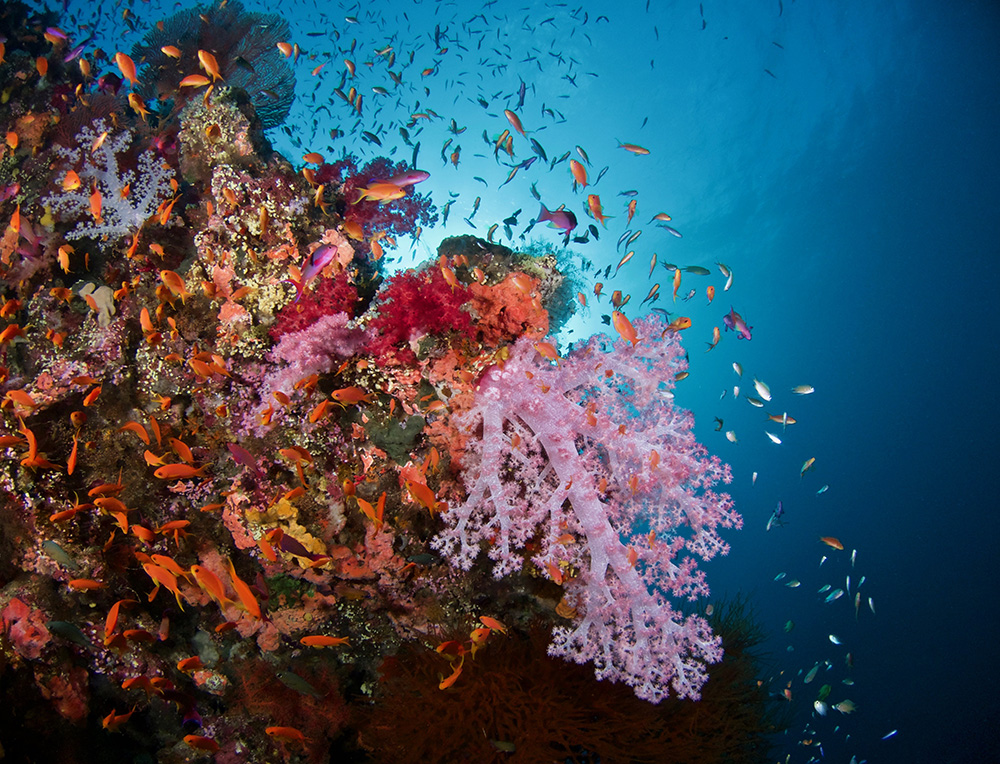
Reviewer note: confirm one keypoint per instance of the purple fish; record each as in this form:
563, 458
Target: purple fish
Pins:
734, 321
317, 261
408, 178
562, 218
9, 191
244, 457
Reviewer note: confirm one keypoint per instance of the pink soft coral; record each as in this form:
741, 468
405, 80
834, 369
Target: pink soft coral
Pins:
591, 459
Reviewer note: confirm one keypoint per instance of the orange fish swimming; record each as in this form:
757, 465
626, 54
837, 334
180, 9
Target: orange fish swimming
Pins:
209, 64
624, 327
127, 67
180, 471
515, 121
175, 283
322, 640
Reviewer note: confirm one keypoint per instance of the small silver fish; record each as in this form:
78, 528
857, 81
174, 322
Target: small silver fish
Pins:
762, 389
836, 594
774, 438
835, 639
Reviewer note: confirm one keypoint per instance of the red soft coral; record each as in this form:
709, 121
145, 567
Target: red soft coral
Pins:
331, 296
26, 628
417, 303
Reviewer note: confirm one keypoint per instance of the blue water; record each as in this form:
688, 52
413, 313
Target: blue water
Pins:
842, 159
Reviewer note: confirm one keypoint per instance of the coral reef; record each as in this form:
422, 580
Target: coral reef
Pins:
242, 470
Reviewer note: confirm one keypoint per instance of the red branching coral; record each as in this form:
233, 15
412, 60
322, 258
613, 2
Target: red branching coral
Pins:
414, 304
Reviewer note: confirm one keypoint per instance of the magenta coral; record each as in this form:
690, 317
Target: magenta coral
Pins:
566, 460
312, 350
398, 217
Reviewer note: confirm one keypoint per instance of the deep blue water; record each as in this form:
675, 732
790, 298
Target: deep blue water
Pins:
842, 158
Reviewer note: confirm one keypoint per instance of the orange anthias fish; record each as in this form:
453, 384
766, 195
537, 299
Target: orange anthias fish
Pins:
210, 584
579, 172
624, 327
201, 743
180, 471
423, 495
286, 733
127, 67
832, 542
515, 121
195, 81
683, 322
716, 336
245, 593
632, 148
380, 192
322, 640
346, 396
175, 284
209, 64
594, 203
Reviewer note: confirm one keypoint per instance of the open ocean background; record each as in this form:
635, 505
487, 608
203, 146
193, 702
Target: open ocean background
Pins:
842, 158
